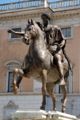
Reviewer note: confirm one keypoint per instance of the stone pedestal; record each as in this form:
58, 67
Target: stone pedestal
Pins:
42, 115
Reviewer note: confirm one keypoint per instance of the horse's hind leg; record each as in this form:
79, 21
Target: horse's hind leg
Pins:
18, 74
64, 99
50, 91
42, 107
44, 79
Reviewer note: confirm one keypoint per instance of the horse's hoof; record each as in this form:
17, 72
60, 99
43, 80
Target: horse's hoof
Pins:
42, 108
63, 109
15, 89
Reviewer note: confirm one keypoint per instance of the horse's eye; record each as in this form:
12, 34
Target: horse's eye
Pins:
29, 29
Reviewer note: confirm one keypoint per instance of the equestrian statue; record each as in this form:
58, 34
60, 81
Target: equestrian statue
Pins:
45, 61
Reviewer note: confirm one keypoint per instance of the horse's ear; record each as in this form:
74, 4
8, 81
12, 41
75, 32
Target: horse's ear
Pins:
28, 21
32, 22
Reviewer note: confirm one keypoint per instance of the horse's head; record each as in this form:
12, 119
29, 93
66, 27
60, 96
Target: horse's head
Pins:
32, 30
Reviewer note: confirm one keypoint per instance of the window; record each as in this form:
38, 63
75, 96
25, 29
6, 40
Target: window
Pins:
10, 81
66, 31
14, 35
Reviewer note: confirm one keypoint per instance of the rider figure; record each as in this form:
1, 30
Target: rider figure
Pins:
58, 43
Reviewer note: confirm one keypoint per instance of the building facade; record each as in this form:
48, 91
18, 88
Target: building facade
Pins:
65, 14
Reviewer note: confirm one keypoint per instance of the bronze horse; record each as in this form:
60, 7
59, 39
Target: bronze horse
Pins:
40, 64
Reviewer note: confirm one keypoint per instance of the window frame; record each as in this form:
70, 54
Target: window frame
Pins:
64, 27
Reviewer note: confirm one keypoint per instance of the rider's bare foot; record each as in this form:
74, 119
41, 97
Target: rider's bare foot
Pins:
62, 82
15, 88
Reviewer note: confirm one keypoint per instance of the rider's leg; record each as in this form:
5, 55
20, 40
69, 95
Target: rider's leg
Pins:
59, 62
66, 56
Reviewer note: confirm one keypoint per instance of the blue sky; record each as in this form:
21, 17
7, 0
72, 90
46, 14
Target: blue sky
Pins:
7, 1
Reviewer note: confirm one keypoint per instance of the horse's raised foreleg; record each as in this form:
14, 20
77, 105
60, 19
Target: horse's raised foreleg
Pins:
64, 99
18, 74
44, 80
50, 91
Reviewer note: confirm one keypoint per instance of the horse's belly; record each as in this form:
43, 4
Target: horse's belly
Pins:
53, 75
34, 73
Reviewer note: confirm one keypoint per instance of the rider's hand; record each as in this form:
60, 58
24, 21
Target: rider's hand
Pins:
9, 31
53, 48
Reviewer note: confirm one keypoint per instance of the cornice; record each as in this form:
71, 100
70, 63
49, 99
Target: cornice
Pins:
62, 14
22, 14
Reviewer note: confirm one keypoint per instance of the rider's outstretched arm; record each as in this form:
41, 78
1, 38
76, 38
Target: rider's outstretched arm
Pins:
17, 33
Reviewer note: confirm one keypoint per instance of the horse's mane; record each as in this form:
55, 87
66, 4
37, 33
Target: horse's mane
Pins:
40, 25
